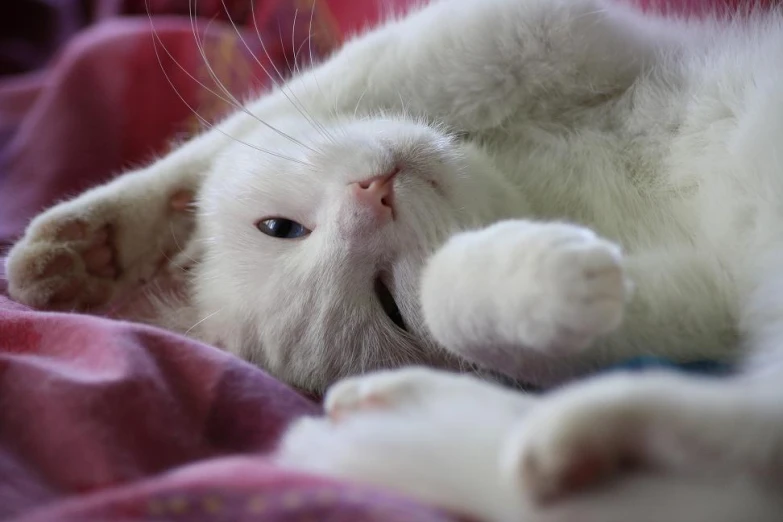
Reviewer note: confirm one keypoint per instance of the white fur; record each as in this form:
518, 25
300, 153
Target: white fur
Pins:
506, 117
532, 137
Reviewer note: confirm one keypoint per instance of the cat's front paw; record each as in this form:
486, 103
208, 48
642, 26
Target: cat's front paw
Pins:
545, 286
80, 253
580, 283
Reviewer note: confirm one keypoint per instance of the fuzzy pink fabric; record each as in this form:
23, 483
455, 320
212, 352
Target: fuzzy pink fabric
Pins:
105, 420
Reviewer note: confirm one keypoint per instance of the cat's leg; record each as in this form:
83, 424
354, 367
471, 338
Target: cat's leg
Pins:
676, 424
583, 435
430, 434
667, 422
474, 63
84, 252
545, 302
495, 295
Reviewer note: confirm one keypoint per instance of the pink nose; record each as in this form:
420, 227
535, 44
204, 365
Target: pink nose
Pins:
377, 193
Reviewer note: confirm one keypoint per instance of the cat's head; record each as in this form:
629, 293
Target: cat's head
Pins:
315, 237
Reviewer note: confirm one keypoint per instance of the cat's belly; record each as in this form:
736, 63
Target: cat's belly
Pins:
591, 183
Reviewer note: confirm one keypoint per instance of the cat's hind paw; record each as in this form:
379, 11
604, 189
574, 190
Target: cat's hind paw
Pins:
584, 436
382, 390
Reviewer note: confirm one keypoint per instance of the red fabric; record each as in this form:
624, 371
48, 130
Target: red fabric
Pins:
104, 420
94, 413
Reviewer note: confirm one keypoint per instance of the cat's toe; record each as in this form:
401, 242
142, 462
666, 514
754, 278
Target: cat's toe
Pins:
594, 288
381, 390
63, 267
349, 396
99, 254
583, 287
575, 441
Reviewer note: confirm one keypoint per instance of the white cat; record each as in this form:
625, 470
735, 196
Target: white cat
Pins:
410, 200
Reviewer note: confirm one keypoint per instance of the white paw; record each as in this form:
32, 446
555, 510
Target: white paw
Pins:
579, 281
545, 286
79, 254
583, 436
382, 390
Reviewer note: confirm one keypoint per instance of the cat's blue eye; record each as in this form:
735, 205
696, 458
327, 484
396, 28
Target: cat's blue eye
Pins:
282, 228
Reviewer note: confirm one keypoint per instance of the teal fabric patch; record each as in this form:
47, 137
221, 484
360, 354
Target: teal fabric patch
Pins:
704, 367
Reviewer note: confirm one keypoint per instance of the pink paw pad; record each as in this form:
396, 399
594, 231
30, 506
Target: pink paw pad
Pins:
370, 402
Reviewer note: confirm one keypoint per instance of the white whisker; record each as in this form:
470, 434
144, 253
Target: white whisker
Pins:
180, 249
295, 102
296, 64
157, 40
293, 40
242, 39
310, 51
359, 101
202, 320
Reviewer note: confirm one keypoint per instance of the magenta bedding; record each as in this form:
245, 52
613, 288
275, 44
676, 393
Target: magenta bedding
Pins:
105, 420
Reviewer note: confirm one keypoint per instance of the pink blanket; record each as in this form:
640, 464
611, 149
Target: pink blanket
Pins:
104, 420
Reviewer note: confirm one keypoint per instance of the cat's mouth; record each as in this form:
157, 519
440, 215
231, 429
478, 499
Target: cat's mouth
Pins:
388, 304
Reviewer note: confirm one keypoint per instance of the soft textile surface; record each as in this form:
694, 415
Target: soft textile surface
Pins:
94, 413
103, 420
